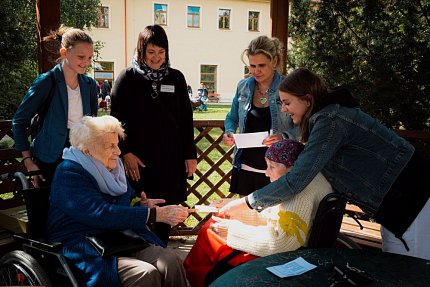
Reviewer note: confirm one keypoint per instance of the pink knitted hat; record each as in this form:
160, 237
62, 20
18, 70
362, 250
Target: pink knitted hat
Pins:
285, 151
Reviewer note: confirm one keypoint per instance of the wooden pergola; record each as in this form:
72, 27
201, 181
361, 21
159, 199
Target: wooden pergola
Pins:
48, 19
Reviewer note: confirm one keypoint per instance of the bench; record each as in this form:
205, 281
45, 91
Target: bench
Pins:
369, 236
214, 97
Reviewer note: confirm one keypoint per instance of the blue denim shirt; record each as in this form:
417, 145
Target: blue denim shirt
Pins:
242, 101
359, 156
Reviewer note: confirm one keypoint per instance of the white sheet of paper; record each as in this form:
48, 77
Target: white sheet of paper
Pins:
248, 140
296, 267
205, 208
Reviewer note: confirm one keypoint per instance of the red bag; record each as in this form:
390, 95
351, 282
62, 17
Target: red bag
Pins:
209, 250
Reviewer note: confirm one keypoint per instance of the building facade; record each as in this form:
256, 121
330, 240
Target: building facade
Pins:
206, 37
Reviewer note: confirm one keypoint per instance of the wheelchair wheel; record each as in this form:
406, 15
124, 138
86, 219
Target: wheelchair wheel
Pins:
343, 241
18, 268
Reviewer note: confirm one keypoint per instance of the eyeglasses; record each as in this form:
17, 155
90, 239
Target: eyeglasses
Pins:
349, 276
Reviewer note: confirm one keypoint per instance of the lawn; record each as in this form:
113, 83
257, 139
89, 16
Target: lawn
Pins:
214, 112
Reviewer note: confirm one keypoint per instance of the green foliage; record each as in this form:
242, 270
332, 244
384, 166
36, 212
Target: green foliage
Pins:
18, 44
379, 49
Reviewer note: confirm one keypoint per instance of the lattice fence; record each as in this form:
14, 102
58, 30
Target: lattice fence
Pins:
212, 178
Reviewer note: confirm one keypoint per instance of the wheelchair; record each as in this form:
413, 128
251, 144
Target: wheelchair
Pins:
39, 263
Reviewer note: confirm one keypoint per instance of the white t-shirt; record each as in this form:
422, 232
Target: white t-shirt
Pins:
75, 110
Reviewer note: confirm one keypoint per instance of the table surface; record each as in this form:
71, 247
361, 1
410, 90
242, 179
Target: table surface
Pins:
386, 269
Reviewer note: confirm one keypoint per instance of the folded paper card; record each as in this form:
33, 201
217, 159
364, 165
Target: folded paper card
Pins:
248, 140
296, 267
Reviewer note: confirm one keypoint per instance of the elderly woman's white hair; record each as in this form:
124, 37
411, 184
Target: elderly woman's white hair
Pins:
90, 131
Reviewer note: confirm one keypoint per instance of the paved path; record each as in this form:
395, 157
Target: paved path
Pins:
181, 245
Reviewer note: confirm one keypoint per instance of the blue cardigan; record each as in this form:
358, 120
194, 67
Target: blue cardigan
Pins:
49, 143
78, 208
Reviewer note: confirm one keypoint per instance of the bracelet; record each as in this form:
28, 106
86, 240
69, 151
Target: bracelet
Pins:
247, 202
26, 157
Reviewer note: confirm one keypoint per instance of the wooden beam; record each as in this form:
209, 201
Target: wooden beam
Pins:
279, 10
47, 19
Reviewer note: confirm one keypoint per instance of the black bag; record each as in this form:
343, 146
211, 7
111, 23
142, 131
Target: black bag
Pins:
111, 243
37, 120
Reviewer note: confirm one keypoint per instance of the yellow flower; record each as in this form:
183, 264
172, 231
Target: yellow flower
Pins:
292, 224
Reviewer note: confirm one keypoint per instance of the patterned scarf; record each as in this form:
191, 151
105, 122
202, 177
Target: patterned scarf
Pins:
148, 73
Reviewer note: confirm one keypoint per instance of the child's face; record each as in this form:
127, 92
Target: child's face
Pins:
275, 170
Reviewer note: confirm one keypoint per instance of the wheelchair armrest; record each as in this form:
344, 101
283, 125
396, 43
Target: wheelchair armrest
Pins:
38, 243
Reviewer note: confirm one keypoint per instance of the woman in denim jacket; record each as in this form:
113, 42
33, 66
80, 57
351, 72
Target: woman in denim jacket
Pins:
256, 108
369, 164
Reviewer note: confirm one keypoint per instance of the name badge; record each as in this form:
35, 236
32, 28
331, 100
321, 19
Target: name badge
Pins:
167, 88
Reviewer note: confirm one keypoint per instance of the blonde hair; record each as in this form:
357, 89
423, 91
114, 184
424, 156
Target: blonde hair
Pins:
68, 37
90, 131
270, 47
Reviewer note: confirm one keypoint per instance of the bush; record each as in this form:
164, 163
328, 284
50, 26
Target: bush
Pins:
379, 49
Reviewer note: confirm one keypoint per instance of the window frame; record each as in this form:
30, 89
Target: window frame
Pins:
211, 85
101, 15
199, 16
253, 20
229, 19
160, 14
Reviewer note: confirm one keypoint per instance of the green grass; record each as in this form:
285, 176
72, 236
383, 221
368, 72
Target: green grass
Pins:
214, 112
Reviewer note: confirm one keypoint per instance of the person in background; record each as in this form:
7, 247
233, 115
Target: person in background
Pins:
256, 108
150, 98
281, 228
106, 89
369, 164
74, 96
90, 195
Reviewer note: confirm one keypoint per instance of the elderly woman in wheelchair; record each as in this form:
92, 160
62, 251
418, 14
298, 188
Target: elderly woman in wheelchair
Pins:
90, 200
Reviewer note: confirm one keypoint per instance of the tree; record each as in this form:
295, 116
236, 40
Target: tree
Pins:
379, 49
18, 44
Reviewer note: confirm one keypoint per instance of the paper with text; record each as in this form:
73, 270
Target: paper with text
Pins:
296, 267
248, 140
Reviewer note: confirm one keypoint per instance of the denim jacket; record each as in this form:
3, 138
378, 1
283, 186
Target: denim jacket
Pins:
281, 122
359, 156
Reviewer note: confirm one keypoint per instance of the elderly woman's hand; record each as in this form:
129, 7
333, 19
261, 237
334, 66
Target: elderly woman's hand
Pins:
131, 164
149, 202
233, 207
171, 214
220, 226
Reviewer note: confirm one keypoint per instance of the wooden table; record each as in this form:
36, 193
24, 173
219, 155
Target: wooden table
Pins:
386, 269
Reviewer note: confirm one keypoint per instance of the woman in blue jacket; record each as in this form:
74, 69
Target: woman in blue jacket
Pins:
369, 164
256, 108
74, 96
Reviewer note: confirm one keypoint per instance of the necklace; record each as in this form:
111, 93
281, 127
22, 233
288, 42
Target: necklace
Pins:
262, 96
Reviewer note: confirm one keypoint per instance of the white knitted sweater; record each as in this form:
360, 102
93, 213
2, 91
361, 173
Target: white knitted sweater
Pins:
281, 228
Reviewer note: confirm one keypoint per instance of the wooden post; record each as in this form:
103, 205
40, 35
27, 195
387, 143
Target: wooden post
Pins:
279, 10
48, 19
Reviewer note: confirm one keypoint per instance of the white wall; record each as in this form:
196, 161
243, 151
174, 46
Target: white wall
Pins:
189, 47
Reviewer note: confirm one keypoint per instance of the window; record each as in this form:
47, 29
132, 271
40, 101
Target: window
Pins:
102, 17
208, 75
193, 17
104, 71
160, 14
224, 19
253, 21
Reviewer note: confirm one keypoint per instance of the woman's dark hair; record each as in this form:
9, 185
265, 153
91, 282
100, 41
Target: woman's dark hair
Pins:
155, 35
307, 86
